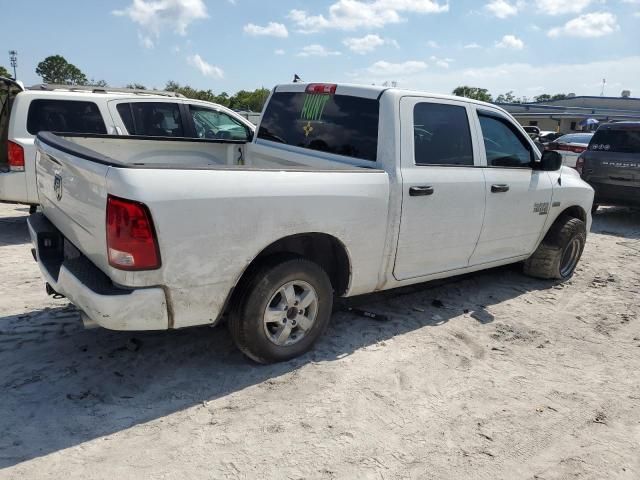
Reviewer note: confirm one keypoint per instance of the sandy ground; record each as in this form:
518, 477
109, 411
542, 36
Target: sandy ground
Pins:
502, 376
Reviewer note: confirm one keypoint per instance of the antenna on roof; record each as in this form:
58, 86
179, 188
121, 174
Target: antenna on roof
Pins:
296, 78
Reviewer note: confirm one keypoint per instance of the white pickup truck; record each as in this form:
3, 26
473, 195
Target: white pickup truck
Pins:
344, 190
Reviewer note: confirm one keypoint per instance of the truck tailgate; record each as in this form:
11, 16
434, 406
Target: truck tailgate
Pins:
72, 193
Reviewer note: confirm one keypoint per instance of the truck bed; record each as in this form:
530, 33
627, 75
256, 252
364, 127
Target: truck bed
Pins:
214, 205
180, 153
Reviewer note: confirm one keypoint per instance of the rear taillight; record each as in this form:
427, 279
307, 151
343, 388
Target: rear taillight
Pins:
567, 148
580, 164
15, 154
326, 88
131, 238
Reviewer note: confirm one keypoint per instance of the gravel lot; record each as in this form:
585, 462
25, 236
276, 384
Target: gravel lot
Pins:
493, 375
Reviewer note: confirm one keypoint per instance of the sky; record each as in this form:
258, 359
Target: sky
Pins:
525, 46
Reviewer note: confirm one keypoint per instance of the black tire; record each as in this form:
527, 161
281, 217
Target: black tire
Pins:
560, 251
594, 208
246, 318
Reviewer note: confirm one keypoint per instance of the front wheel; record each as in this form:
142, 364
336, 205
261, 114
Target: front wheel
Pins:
560, 251
281, 310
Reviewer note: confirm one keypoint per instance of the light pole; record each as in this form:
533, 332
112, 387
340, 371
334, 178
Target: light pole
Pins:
13, 56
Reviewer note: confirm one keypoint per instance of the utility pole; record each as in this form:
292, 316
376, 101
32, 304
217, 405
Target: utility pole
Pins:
13, 56
604, 82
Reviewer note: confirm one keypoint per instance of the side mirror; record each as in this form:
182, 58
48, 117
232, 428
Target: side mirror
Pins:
550, 162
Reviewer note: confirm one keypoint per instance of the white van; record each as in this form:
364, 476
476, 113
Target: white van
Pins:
101, 111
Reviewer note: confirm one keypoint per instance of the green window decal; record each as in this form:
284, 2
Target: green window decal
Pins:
313, 107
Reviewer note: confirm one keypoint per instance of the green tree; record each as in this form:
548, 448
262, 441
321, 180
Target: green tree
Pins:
136, 86
97, 83
507, 98
5, 73
545, 97
242, 100
55, 69
476, 93
245, 100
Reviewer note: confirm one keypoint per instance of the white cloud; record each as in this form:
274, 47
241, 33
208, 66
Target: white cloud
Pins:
589, 25
518, 77
510, 41
383, 68
154, 16
354, 14
441, 62
508, 8
205, 68
367, 44
145, 40
432, 44
316, 51
272, 29
501, 8
472, 45
279, 51
561, 7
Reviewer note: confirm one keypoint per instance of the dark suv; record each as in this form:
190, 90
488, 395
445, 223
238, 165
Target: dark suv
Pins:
611, 164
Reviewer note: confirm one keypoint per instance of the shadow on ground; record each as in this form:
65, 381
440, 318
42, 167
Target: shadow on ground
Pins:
13, 230
63, 385
617, 221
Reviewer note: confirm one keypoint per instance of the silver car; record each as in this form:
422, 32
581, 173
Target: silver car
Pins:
570, 146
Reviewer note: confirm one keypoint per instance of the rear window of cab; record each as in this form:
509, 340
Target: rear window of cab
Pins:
620, 140
337, 124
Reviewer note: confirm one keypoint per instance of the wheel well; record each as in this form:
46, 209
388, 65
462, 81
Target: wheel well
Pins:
575, 212
323, 249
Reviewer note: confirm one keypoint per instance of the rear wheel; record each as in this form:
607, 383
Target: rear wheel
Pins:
281, 310
560, 251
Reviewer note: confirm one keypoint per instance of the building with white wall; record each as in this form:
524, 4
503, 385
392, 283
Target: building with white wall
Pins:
565, 115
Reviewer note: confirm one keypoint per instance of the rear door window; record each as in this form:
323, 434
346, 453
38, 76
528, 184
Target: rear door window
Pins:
337, 124
152, 119
616, 140
441, 135
64, 116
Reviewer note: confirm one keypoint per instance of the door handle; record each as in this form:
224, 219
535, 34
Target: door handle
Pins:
501, 188
421, 191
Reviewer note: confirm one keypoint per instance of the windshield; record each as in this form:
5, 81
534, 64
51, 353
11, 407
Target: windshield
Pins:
338, 124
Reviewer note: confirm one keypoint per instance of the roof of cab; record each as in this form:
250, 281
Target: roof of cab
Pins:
376, 91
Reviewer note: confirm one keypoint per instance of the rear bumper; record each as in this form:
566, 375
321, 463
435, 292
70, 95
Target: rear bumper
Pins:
71, 274
615, 194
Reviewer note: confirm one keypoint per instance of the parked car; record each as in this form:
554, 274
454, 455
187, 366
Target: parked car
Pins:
345, 190
547, 136
532, 130
89, 110
611, 164
570, 146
